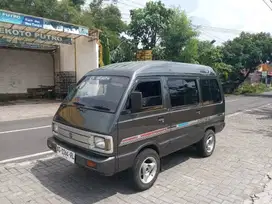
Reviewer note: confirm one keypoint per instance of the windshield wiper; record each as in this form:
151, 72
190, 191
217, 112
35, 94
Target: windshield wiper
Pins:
81, 105
78, 104
101, 108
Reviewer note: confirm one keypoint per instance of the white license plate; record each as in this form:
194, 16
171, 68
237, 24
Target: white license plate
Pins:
66, 154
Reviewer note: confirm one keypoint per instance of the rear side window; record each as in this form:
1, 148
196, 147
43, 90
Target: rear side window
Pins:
183, 92
210, 91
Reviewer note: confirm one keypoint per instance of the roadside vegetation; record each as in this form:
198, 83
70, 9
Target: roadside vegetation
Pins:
168, 32
248, 88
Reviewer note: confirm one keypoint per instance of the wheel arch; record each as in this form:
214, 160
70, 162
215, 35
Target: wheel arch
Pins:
149, 145
210, 128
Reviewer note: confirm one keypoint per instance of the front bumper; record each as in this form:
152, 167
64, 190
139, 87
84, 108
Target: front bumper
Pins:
104, 165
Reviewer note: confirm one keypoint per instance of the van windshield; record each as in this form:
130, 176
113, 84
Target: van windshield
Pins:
101, 93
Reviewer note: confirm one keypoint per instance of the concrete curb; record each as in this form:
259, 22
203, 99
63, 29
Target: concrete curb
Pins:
265, 94
28, 158
258, 95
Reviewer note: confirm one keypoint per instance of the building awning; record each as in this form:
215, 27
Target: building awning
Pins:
19, 29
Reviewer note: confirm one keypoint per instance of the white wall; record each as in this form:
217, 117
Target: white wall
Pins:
22, 69
67, 58
86, 57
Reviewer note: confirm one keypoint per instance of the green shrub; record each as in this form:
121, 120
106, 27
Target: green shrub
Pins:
248, 88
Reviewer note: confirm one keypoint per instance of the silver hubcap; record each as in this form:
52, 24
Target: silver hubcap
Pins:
148, 170
210, 143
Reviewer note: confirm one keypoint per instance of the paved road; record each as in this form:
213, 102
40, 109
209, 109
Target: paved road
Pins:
237, 170
21, 143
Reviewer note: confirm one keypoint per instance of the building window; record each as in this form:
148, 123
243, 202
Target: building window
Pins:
183, 92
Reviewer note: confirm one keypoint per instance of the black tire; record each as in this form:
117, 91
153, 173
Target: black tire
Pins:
142, 156
201, 145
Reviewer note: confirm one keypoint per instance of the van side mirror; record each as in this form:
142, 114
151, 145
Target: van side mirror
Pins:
136, 101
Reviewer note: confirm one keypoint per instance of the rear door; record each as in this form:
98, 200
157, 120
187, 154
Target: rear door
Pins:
213, 110
146, 126
185, 112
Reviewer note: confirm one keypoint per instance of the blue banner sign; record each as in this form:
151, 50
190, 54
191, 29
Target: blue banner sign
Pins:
19, 19
75, 30
33, 22
53, 25
83, 31
12, 18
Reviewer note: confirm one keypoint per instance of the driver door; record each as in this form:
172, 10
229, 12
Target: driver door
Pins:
148, 126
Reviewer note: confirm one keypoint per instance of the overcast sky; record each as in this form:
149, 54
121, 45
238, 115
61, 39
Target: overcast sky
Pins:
248, 15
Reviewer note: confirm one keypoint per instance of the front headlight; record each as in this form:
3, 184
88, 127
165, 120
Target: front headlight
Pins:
99, 143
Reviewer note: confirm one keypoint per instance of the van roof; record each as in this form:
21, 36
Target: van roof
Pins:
148, 68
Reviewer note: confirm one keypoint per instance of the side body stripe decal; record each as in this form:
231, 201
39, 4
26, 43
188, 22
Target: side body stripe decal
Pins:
168, 129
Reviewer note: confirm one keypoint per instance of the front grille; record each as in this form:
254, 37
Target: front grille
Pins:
74, 136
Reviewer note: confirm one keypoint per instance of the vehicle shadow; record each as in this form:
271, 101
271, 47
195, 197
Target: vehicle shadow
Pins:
79, 185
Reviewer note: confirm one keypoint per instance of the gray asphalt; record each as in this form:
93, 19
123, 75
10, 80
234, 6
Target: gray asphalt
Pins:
22, 143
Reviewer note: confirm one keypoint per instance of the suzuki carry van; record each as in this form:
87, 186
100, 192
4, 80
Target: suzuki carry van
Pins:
130, 115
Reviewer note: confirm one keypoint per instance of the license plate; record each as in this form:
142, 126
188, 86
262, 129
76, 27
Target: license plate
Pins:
66, 154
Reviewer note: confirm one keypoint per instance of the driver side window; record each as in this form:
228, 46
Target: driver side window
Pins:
151, 95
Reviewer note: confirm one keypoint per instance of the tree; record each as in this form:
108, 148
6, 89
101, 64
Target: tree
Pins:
158, 53
147, 23
177, 35
189, 53
246, 52
108, 19
223, 70
208, 53
31, 7
78, 3
63, 10
212, 56
106, 50
66, 11
125, 51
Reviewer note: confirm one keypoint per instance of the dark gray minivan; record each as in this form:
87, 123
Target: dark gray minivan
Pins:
130, 115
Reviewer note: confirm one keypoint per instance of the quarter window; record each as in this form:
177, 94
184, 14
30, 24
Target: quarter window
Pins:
183, 92
210, 91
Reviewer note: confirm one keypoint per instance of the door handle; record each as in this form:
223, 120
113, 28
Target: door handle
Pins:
161, 119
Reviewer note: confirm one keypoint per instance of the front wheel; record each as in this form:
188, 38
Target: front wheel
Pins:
146, 169
206, 146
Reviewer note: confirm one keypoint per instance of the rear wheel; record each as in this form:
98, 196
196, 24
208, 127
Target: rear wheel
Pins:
206, 146
146, 169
